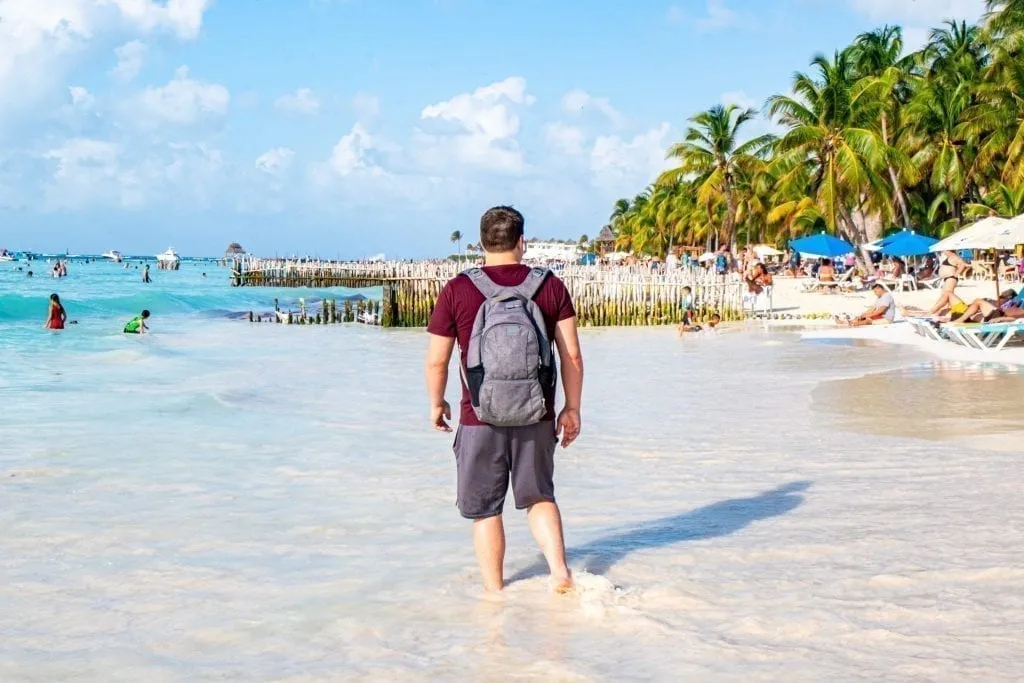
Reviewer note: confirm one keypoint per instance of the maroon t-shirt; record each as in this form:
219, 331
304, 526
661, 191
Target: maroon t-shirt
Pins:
459, 301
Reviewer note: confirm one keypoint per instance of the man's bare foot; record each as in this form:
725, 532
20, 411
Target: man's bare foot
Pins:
563, 584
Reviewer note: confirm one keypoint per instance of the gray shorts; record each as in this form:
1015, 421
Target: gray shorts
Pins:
487, 457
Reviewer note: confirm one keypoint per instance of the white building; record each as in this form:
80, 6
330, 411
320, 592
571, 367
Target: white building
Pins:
563, 252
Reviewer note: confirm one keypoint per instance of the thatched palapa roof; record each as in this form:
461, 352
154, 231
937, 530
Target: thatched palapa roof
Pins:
606, 235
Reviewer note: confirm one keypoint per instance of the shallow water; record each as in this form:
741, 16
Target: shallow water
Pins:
225, 501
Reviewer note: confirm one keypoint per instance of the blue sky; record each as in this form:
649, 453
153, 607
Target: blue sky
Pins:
354, 127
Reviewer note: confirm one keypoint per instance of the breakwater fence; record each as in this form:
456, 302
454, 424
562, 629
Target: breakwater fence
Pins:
607, 296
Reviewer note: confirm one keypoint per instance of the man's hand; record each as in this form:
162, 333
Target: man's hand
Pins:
439, 415
568, 426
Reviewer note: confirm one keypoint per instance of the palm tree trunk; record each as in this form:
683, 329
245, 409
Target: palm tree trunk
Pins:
854, 234
730, 214
897, 189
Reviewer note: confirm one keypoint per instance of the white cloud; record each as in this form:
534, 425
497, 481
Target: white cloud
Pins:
366, 106
302, 101
350, 155
922, 12
675, 14
130, 57
718, 16
565, 139
185, 100
275, 161
81, 98
630, 164
487, 126
577, 101
40, 40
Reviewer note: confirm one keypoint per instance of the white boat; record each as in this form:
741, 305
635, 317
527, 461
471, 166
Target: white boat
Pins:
169, 260
113, 255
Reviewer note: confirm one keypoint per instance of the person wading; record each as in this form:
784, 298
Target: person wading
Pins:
504, 317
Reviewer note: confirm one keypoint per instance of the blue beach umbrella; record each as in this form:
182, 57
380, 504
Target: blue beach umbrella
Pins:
822, 245
907, 243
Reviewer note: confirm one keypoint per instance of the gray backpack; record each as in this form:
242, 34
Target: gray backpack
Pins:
509, 361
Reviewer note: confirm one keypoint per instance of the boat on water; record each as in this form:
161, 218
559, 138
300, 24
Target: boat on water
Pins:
6, 255
114, 256
168, 260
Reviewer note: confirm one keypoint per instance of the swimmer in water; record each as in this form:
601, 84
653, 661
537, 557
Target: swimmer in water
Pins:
57, 316
137, 325
714, 322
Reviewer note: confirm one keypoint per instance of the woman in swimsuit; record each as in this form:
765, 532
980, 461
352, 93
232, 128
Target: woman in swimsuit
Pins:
951, 269
57, 316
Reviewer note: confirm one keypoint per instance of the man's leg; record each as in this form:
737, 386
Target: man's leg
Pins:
482, 460
489, 543
546, 526
533, 472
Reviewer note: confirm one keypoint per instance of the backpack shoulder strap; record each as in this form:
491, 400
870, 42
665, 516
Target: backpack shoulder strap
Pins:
483, 283
532, 284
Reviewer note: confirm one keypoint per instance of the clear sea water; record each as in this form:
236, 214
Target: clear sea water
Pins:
225, 501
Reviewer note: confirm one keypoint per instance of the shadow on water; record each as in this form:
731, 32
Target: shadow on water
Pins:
711, 521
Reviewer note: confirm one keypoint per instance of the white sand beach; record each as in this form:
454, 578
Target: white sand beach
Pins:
790, 299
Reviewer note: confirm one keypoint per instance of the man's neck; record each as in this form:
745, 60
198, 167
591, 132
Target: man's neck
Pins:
501, 259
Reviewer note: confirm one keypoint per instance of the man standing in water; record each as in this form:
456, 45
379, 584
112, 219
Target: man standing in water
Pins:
488, 456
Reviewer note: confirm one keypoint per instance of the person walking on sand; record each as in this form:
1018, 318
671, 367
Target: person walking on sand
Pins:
137, 325
57, 316
504, 316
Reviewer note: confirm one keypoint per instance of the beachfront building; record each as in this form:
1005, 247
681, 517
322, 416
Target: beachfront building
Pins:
605, 242
552, 251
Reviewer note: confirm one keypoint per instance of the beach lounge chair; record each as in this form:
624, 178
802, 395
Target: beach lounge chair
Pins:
991, 336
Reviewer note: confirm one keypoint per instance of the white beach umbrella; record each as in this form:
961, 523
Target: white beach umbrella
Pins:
873, 246
706, 256
988, 233
764, 251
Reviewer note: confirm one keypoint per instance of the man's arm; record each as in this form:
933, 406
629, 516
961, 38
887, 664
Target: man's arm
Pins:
571, 358
439, 354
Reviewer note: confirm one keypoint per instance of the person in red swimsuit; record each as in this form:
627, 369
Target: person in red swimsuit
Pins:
57, 314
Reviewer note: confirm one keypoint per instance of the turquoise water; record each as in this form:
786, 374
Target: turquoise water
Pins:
102, 295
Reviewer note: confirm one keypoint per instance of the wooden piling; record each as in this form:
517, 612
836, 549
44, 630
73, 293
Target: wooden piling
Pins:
604, 295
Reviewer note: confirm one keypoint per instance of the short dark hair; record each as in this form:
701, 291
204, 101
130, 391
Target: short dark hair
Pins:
501, 228
145, 314
878, 285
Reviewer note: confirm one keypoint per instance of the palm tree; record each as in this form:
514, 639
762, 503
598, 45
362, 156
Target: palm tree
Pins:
936, 136
879, 54
832, 143
1001, 200
457, 238
712, 156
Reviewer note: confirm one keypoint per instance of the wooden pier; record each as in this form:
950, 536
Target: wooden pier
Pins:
604, 295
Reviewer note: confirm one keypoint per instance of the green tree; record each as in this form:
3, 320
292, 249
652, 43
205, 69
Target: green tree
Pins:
456, 238
712, 155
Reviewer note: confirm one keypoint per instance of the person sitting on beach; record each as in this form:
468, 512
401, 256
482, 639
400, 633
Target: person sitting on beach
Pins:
137, 325
1009, 306
926, 271
489, 456
882, 312
57, 316
758, 278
